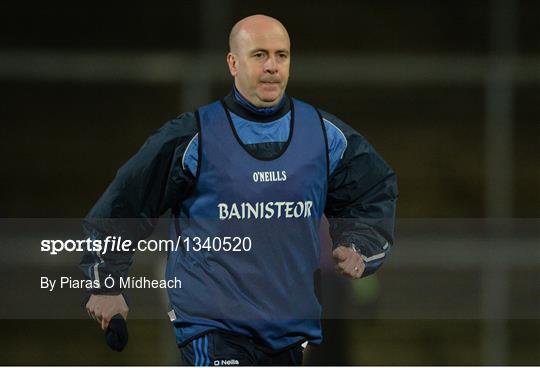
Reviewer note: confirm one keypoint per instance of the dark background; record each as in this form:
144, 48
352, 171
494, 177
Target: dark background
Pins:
448, 92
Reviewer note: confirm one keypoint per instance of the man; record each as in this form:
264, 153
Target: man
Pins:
262, 167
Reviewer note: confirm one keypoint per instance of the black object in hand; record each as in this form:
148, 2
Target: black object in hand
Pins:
117, 333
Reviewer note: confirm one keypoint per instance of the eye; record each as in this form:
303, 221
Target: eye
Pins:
258, 55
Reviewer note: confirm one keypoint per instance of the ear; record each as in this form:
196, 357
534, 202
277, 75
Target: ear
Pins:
231, 62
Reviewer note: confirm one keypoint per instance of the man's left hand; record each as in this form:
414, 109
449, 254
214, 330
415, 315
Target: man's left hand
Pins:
348, 262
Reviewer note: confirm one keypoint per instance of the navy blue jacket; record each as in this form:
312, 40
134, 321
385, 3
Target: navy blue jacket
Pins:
360, 203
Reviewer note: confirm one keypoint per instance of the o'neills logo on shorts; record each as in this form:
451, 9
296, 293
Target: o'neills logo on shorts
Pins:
264, 210
226, 362
266, 176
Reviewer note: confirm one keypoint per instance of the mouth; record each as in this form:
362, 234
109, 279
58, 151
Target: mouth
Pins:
270, 86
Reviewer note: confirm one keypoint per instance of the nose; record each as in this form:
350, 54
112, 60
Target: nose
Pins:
270, 66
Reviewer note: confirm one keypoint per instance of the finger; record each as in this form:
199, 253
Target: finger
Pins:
340, 254
359, 270
348, 272
104, 323
349, 261
355, 273
355, 260
98, 317
354, 270
348, 266
351, 268
93, 315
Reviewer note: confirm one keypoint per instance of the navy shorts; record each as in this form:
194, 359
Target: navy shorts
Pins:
217, 348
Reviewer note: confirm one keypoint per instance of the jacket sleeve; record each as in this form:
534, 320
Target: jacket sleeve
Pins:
361, 201
144, 188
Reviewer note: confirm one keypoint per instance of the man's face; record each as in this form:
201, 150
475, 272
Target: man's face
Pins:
259, 63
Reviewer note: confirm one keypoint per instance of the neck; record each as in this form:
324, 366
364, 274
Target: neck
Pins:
263, 111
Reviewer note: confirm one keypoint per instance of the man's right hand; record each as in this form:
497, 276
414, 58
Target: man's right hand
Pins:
103, 307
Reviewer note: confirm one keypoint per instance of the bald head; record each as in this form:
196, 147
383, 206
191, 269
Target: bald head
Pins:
255, 25
259, 59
